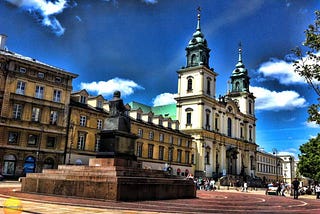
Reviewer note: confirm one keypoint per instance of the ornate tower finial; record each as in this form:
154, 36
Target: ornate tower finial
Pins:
199, 11
240, 52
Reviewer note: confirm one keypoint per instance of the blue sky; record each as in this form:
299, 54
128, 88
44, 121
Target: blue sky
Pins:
138, 45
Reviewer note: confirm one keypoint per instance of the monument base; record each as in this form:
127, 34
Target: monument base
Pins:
109, 179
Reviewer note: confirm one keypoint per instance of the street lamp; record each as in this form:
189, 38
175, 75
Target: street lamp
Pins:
71, 142
275, 152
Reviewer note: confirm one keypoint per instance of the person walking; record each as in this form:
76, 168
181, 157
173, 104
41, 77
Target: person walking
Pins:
295, 185
317, 191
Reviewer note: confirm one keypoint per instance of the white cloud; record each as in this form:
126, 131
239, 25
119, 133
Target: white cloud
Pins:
107, 88
283, 70
164, 99
276, 101
312, 124
45, 10
280, 70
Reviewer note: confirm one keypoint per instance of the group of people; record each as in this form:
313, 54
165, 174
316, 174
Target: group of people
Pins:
205, 184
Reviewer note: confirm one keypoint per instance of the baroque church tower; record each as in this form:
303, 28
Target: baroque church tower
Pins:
223, 129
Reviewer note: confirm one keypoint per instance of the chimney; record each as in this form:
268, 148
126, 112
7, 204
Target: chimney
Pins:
3, 39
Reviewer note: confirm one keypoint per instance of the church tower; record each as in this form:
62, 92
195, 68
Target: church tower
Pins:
239, 91
196, 83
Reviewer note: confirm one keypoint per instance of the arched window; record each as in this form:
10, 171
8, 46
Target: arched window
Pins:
229, 127
188, 115
189, 87
237, 86
208, 86
250, 107
193, 60
204, 59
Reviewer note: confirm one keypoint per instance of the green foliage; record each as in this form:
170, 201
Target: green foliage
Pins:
309, 164
309, 66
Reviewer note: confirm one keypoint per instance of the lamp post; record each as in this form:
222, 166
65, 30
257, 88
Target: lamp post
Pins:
71, 143
275, 152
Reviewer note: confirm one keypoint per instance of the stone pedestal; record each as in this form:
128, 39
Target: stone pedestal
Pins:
109, 179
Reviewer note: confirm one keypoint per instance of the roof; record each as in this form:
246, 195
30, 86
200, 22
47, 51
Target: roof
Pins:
164, 110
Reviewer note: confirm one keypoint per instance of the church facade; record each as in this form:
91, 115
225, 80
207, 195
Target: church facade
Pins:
223, 129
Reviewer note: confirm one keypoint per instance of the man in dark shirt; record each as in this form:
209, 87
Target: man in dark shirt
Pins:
295, 185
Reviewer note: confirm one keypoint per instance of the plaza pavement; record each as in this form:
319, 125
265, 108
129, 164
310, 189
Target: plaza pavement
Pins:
220, 201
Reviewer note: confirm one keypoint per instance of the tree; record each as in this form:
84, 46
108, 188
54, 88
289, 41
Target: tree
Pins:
309, 164
309, 66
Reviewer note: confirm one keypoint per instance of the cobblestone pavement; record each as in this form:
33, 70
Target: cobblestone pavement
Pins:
221, 201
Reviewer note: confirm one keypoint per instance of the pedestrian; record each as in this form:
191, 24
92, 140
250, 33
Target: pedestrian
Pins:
283, 189
245, 187
295, 185
317, 191
212, 182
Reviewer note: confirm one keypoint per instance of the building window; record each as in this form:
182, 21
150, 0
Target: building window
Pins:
207, 157
99, 104
21, 86
83, 120
179, 154
169, 125
97, 144
161, 152
57, 80
140, 133
13, 137
36, 113
188, 143
187, 156
149, 119
83, 99
53, 117
216, 122
22, 70
188, 118
150, 151
170, 154
160, 122
99, 124
41, 75
161, 137
138, 116
189, 87
250, 107
39, 92
241, 132
192, 159
171, 140
56, 96
139, 149
17, 111
51, 141
179, 142
33, 140
81, 141
250, 133
151, 135
229, 127
208, 119
208, 86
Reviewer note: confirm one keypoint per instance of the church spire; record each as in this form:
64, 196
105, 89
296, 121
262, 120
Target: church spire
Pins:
197, 49
239, 78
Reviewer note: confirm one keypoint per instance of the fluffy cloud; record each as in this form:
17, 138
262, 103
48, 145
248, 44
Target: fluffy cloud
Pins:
280, 70
164, 99
283, 70
276, 101
107, 88
150, 1
45, 11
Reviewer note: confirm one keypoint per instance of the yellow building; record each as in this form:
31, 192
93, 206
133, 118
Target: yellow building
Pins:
161, 144
34, 100
87, 116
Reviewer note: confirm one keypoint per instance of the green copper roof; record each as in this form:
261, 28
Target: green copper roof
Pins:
164, 110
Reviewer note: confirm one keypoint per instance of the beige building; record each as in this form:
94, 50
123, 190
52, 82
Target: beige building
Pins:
224, 128
34, 100
288, 166
269, 167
